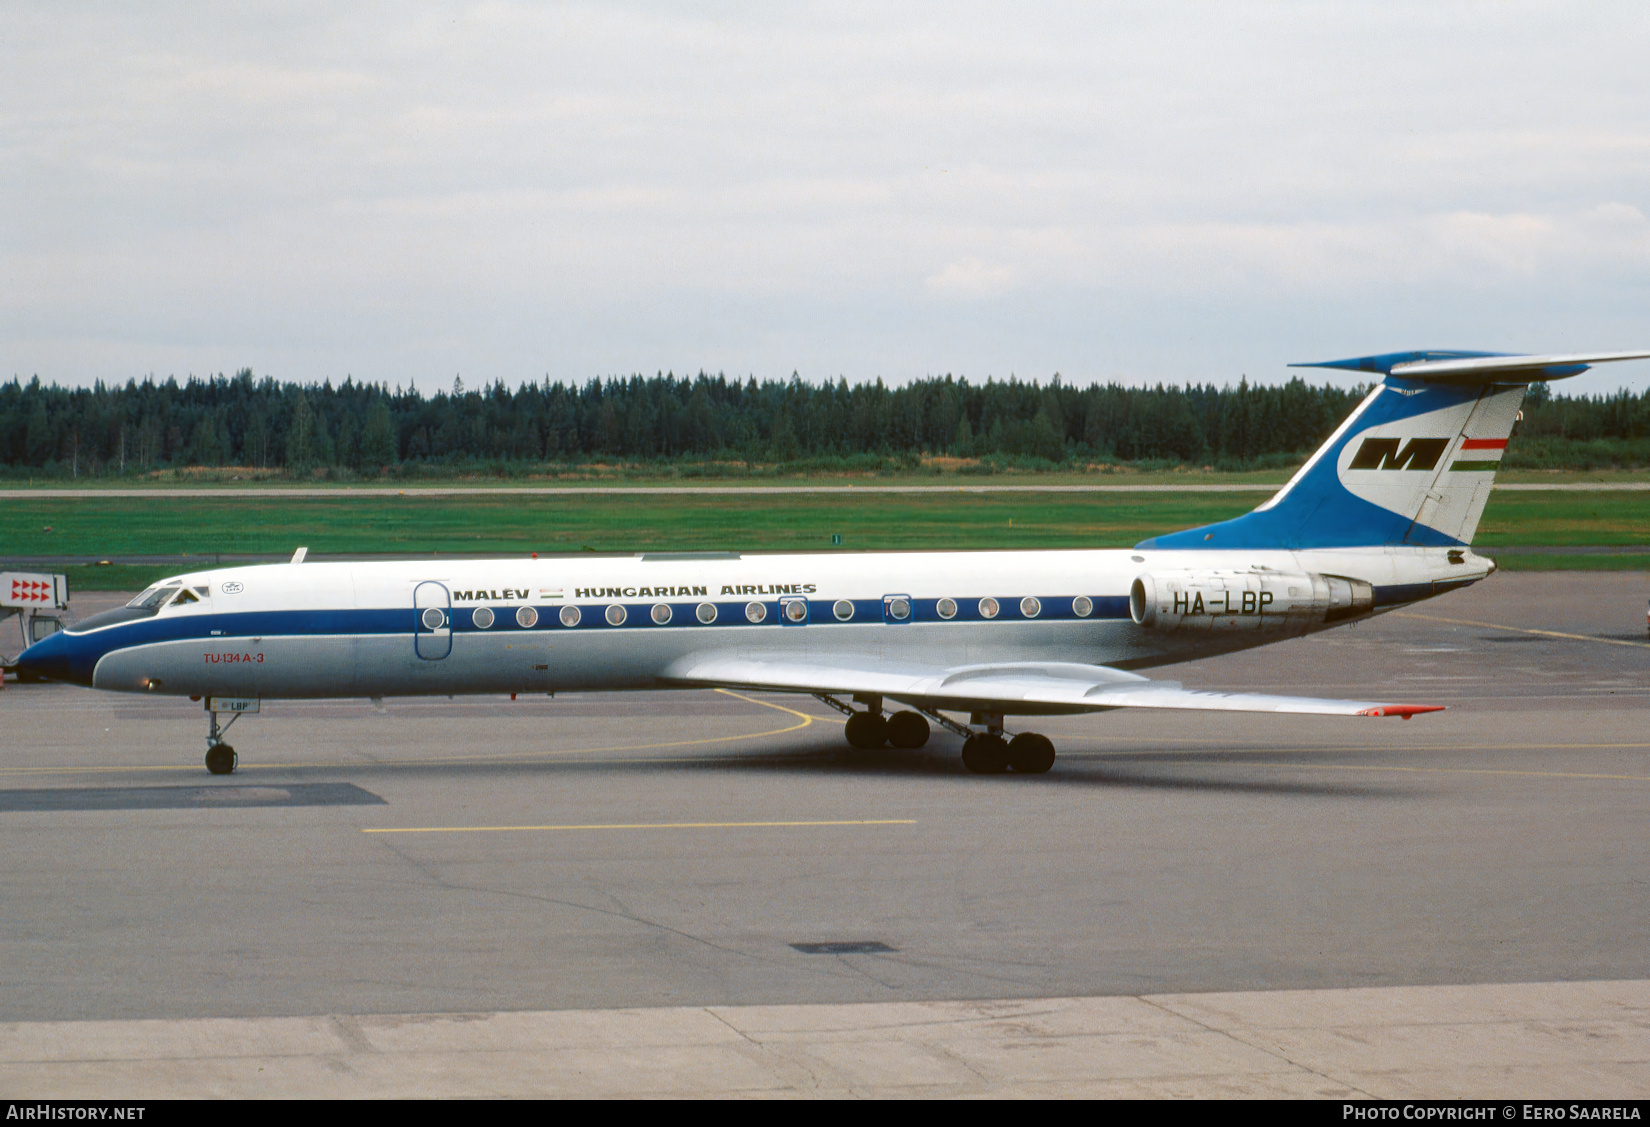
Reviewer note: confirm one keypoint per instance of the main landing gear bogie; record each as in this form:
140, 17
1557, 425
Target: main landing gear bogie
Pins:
869, 730
1030, 754
907, 730
987, 753
866, 730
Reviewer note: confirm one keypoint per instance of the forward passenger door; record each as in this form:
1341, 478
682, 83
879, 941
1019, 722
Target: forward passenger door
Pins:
433, 621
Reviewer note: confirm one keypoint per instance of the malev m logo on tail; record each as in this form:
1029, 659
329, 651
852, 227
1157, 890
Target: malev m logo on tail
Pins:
1480, 455
1403, 451
1384, 454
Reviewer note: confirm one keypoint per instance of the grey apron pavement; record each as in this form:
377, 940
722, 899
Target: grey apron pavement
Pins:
1583, 1040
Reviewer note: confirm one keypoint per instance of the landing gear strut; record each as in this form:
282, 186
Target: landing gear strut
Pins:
220, 757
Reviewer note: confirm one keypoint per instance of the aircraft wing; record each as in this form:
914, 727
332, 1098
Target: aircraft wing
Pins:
1030, 686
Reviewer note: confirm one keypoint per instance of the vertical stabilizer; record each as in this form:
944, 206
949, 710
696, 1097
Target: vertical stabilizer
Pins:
1413, 465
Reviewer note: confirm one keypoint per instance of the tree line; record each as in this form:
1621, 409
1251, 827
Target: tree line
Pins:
365, 428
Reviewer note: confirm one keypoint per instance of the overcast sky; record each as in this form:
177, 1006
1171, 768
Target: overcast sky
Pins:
1151, 191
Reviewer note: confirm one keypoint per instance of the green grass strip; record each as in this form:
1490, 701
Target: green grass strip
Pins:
103, 527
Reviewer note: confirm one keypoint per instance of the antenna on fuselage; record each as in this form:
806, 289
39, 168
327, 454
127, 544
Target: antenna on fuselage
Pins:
298, 556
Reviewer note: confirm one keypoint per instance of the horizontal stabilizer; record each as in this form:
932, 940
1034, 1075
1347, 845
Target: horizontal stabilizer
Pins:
1470, 368
1011, 687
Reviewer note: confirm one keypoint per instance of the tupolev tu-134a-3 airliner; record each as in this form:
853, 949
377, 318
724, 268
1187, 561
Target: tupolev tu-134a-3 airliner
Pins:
1380, 517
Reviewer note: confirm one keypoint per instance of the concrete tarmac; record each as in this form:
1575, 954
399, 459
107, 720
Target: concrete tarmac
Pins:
1565, 1040
710, 849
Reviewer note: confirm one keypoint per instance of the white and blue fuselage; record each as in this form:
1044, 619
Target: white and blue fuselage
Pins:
637, 622
1381, 516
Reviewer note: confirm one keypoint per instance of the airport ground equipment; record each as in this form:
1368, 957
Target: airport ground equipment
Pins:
37, 600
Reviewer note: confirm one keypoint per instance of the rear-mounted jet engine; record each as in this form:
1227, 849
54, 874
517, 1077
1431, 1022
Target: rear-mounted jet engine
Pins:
1260, 602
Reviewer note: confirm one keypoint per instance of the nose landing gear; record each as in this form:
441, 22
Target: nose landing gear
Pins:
220, 757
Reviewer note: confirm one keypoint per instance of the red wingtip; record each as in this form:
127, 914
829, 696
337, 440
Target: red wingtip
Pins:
1404, 710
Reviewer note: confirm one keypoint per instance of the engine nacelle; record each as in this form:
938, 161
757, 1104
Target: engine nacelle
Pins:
1263, 602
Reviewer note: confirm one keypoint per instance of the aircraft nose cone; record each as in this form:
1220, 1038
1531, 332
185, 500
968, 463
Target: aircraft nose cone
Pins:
56, 658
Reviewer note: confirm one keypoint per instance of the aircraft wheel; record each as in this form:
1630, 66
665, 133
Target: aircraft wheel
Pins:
866, 731
1030, 754
221, 759
907, 729
985, 754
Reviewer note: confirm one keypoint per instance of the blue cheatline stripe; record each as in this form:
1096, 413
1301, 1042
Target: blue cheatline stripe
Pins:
71, 656
638, 616
68, 656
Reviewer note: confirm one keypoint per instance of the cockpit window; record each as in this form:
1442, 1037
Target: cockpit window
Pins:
184, 596
155, 597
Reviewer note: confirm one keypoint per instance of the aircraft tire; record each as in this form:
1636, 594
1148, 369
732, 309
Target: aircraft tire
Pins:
221, 759
866, 731
985, 754
907, 730
1030, 754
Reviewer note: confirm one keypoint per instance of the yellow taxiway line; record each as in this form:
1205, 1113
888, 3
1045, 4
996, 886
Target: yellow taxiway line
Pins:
805, 720
641, 826
485, 757
506, 756
1129, 742
1456, 771
1520, 629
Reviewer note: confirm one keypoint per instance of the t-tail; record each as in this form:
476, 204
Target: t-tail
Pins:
1413, 465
